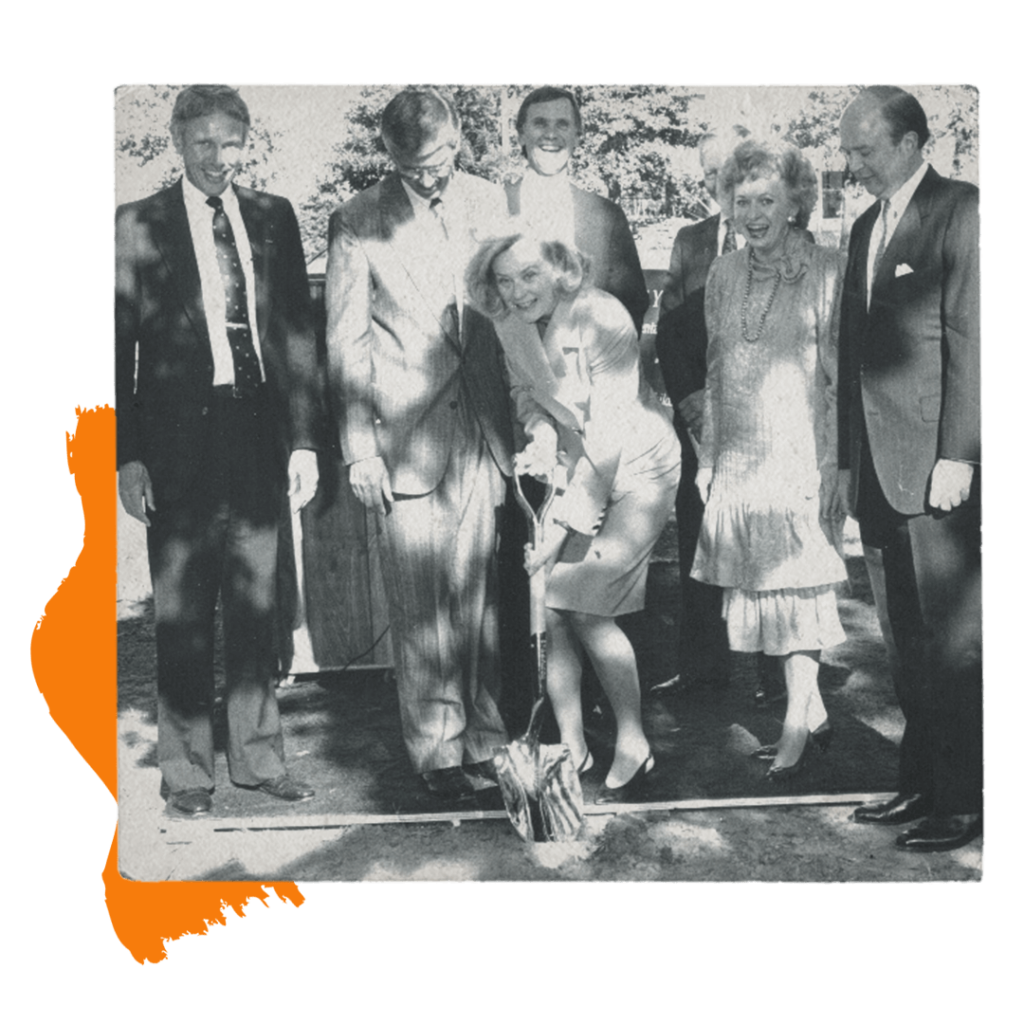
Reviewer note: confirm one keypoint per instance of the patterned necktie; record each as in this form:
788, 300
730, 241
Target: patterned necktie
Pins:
883, 241
236, 301
729, 242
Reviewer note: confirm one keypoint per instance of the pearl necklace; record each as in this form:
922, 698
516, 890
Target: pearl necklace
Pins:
746, 302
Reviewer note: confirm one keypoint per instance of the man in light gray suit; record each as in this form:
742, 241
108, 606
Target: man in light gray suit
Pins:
425, 430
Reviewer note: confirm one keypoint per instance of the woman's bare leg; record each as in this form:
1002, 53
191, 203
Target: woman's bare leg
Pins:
805, 710
614, 661
565, 669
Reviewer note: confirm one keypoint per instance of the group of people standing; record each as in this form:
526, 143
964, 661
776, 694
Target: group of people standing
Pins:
475, 332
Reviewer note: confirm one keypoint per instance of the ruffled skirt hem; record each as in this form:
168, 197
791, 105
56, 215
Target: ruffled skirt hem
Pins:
782, 621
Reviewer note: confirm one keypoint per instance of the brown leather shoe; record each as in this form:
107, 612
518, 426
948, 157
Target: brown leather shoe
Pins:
903, 807
284, 787
940, 832
191, 801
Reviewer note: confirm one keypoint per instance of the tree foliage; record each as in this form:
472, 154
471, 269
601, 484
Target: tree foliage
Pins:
144, 151
637, 148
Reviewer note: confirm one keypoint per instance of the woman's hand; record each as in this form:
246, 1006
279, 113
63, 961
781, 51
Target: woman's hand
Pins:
538, 458
703, 482
550, 547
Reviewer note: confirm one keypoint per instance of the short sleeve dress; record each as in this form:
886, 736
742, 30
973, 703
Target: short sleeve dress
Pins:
769, 434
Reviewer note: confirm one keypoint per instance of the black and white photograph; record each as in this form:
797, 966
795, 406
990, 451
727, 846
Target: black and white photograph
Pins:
549, 482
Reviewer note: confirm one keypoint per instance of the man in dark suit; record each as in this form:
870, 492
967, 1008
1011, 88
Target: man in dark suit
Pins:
218, 405
425, 430
910, 450
549, 126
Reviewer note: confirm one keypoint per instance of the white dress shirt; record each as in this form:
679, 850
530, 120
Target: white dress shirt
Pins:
545, 203
200, 222
898, 203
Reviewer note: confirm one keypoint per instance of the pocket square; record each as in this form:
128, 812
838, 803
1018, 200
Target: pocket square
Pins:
904, 268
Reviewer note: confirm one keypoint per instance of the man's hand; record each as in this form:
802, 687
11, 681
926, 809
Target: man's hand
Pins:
703, 482
136, 490
691, 408
303, 477
950, 484
371, 483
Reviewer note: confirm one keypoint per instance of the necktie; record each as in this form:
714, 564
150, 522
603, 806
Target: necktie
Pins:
729, 242
450, 317
236, 302
438, 211
880, 251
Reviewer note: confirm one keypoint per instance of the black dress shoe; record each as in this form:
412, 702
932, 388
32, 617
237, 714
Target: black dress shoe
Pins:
940, 832
903, 807
449, 783
191, 801
630, 792
284, 787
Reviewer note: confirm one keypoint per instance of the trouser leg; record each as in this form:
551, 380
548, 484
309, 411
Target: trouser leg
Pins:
185, 545
255, 741
947, 561
438, 564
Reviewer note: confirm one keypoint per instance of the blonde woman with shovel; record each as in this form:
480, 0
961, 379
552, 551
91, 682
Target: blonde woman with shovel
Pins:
573, 361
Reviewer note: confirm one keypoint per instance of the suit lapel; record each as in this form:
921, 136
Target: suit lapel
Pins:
905, 241
173, 237
541, 362
255, 229
709, 243
859, 250
397, 224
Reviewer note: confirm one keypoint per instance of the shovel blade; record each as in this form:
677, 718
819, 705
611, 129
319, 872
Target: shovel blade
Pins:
541, 791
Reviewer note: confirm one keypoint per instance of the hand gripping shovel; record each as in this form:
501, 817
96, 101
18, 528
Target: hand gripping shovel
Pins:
538, 783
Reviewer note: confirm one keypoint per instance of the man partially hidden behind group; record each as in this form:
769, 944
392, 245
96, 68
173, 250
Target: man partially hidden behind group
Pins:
425, 430
910, 445
218, 405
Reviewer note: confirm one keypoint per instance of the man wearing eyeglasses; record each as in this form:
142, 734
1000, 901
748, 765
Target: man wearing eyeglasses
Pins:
425, 430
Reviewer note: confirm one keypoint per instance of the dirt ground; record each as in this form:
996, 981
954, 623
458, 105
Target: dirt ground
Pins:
757, 836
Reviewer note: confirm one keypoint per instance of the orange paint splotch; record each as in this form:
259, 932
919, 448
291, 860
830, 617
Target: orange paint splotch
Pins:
74, 658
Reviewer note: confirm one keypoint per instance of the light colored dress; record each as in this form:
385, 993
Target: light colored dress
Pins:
582, 382
769, 434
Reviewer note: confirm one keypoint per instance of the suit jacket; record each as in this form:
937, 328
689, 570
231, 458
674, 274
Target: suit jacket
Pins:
163, 359
583, 381
909, 373
603, 235
398, 364
693, 252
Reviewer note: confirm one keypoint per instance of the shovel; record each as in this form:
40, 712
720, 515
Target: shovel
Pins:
539, 783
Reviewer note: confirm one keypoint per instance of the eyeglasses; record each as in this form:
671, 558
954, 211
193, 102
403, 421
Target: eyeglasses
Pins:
432, 171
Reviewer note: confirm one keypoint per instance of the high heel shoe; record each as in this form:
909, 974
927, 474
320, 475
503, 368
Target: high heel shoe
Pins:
820, 737
586, 764
629, 792
782, 773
